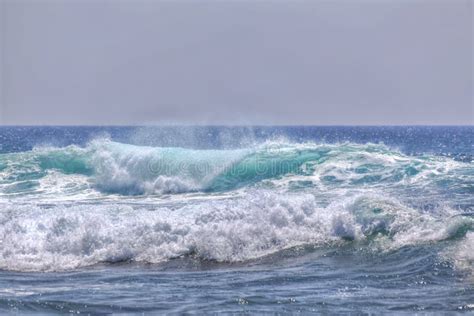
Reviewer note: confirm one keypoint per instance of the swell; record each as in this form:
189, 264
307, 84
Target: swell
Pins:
136, 170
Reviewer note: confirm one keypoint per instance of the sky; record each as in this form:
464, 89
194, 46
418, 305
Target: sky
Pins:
272, 62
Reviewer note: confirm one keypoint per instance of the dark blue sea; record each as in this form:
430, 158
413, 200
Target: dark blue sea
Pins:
258, 220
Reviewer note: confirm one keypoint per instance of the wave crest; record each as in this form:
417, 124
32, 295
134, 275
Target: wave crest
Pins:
257, 224
136, 170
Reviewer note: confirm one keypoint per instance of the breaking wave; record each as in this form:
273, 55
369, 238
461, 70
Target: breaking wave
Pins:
226, 205
111, 167
259, 223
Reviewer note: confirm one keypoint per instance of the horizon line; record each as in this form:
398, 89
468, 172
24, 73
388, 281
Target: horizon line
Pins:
236, 125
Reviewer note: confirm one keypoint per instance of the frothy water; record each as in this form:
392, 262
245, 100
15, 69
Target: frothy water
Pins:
265, 208
247, 227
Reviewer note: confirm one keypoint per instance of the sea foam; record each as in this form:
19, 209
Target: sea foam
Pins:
256, 224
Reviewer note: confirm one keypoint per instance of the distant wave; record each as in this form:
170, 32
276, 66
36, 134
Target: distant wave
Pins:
111, 167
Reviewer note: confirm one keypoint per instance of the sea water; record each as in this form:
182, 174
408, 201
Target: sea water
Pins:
236, 219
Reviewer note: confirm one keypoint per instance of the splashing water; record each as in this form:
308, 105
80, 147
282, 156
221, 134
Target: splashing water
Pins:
102, 202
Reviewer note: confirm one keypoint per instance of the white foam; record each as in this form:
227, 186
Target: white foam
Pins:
258, 223
462, 254
129, 169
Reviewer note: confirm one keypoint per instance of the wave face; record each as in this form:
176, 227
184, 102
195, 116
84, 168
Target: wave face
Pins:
111, 167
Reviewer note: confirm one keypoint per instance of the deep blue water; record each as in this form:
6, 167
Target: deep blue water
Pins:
236, 219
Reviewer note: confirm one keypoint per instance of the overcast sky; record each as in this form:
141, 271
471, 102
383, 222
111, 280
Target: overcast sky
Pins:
237, 62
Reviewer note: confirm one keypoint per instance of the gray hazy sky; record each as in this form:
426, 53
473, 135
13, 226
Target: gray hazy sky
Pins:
236, 62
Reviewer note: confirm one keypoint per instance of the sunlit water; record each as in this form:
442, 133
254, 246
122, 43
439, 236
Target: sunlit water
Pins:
213, 219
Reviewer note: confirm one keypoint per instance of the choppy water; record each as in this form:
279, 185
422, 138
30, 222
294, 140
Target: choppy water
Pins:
214, 219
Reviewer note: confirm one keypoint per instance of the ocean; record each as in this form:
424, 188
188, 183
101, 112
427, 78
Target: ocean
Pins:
259, 220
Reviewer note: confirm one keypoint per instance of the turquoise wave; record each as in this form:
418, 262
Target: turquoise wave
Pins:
112, 167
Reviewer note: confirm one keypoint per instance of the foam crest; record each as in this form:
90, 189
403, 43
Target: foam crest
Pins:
129, 169
462, 254
259, 223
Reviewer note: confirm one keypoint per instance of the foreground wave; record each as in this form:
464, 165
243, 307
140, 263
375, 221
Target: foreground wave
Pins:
257, 224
